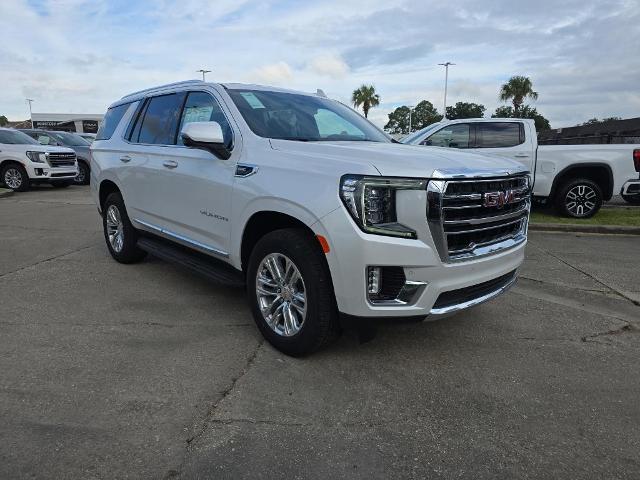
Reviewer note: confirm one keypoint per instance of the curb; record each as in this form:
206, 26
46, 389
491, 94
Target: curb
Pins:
4, 192
573, 228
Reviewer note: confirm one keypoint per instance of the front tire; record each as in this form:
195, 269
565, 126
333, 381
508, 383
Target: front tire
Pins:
291, 293
579, 198
120, 235
632, 199
83, 174
15, 177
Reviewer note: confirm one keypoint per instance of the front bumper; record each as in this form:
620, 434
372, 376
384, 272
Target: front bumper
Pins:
352, 251
43, 172
631, 188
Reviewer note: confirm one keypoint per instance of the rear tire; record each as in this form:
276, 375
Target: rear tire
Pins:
15, 177
579, 198
120, 235
293, 326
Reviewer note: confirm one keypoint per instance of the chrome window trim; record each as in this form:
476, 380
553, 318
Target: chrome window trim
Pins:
182, 239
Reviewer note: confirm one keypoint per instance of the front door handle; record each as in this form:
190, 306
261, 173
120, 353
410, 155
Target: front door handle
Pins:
170, 164
521, 155
125, 159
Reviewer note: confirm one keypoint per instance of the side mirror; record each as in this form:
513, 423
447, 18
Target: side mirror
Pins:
205, 135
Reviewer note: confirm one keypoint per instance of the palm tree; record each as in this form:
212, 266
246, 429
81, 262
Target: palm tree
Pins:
367, 97
517, 89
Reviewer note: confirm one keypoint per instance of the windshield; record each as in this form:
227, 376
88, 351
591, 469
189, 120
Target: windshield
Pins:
306, 118
69, 139
415, 135
14, 137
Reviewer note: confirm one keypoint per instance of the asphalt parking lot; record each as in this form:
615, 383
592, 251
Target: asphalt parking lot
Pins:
146, 371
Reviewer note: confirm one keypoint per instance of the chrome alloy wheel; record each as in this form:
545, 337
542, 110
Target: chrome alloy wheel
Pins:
115, 228
13, 178
581, 200
281, 294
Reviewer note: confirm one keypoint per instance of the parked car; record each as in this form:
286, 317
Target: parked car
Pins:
67, 139
576, 179
89, 137
305, 203
24, 161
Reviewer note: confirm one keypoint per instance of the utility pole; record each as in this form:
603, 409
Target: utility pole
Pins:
203, 72
29, 100
411, 107
446, 81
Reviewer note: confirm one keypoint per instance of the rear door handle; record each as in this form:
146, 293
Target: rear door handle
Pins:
170, 164
125, 159
521, 155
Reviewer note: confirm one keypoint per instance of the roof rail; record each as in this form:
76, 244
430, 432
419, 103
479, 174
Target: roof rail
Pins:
176, 84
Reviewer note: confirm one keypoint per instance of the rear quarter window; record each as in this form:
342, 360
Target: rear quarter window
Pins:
111, 120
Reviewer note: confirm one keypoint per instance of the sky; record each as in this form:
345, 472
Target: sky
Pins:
78, 56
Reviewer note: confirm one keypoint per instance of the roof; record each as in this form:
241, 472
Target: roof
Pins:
132, 97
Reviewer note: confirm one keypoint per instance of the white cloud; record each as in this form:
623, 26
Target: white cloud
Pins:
276, 73
329, 65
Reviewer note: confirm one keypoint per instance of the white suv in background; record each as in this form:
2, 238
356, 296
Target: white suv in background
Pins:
308, 205
24, 161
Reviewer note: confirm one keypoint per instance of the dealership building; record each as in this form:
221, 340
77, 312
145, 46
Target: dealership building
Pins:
69, 122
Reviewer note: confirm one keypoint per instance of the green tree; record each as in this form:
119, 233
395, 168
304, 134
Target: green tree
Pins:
465, 110
423, 114
517, 89
593, 121
366, 97
525, 112
3, 120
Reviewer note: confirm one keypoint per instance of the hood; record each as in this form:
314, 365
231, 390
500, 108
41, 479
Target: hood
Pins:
398, 160
50, 148
81, 151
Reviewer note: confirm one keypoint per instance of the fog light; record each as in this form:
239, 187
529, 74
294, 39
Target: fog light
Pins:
374, 280
38, 171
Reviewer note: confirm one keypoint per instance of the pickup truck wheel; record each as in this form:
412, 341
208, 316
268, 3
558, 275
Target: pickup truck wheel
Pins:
15, 177
83, 174
632, 199
120, 235
290, 292
580, 198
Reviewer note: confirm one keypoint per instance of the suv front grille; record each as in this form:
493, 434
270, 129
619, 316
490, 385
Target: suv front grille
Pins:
473, 217
61, 159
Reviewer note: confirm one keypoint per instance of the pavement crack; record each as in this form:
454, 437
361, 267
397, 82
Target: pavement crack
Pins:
49, 259
591, 276
618, 331
208, 419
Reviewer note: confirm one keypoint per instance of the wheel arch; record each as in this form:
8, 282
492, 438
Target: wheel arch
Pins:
598, 172
107, 187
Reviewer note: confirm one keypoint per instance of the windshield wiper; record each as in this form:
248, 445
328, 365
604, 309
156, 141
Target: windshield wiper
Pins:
296, 139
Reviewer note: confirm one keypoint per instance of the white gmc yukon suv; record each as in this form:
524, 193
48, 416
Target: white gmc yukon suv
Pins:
307, 204
24, 161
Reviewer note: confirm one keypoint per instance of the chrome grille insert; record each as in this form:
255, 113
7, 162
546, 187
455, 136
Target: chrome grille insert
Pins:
61, 159
472, 217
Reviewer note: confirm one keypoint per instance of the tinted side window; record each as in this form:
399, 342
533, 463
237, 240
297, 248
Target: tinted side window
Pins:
202, 107
452, 136
498, 135
110, 122
160, 122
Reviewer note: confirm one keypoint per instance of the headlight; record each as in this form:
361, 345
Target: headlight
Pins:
371, 201
38, 157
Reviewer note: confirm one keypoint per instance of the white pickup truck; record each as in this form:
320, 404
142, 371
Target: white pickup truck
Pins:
576, 179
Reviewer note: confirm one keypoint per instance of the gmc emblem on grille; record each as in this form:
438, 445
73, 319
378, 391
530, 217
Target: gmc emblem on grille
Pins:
499, 199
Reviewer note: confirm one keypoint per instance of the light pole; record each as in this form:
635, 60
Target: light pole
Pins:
446, 80
29, 100
411, 107
203, 72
